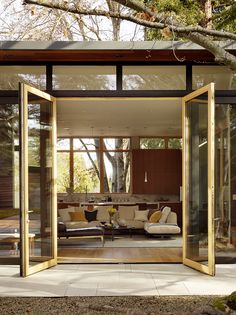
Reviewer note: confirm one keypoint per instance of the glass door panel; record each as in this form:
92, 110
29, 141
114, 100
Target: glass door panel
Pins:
9, 182
225, 166
38, 190
198, 179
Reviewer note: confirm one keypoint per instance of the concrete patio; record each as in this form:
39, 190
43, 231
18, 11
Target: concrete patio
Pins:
114, 280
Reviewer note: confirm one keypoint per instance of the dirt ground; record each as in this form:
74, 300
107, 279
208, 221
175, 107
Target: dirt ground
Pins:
129, 305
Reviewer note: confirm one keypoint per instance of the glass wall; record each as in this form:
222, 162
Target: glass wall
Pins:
84, 78
225, 156
9, 180
81, 161
10, 76
86, 169
116, 159
154, 78
160, 143
222, 76
152, 143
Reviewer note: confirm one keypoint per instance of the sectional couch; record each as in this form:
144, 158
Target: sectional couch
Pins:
73, 218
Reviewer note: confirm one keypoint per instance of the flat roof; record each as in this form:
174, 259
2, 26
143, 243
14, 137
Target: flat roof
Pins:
107, 45
106, 51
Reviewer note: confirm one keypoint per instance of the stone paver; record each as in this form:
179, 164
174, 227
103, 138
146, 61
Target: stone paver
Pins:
114, 280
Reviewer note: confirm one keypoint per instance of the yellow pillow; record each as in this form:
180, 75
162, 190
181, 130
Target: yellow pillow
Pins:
155, 217
77, 216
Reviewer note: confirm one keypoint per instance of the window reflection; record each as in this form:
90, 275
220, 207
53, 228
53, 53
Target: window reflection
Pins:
84, 77
154, 78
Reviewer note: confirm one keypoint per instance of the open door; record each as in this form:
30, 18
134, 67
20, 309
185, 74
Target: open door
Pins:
198, 179
38, 176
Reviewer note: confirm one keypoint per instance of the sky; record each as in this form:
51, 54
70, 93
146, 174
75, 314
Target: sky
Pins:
14, 27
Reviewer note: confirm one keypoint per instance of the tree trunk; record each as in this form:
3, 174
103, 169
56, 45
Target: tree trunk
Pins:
207, 9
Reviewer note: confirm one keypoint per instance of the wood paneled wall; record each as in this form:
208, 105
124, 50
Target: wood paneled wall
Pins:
163, 168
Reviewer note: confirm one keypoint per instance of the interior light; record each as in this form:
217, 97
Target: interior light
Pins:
145, 177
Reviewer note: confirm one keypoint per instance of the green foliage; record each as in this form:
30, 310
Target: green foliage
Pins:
225, 303
192, 12
231, 301
63, 169
226, 18
85, 178
152, 143
219, 304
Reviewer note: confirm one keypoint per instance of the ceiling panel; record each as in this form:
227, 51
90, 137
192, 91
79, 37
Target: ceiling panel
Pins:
119, 117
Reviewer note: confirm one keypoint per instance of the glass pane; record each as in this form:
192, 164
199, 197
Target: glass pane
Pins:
84, 77
225, 165
9, 180
116, 143
197, 181
224, 78
10, 76
63, 144
86, 172
63, 171
154, 78
40, 179
152, 143
86, 144
174, 143
116, 172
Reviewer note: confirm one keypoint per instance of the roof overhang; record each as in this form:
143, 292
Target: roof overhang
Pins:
36, 51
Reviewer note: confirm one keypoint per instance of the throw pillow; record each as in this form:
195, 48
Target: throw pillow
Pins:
164, 214
90, 215
127, 212
141, 215
64, 214
121, 222
155, 217
77, 216
103, 215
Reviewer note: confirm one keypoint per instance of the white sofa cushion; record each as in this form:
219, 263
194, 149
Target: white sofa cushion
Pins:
135, 224
172, 218
164, 214
157, 228
102, 214
76, 224
64, 213
141, 215
127, 212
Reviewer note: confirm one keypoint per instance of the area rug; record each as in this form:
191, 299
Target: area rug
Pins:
123, 241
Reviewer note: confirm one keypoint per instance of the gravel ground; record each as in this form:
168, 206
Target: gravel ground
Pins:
129, 305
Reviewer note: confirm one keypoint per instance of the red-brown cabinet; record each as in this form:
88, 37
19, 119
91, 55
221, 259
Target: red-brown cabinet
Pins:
157, 171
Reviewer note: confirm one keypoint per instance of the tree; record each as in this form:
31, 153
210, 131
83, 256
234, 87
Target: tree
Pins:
21, 22
171, 17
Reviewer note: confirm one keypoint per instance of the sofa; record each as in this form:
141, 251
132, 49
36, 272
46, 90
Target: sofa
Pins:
85, 232
169, 227
149, 221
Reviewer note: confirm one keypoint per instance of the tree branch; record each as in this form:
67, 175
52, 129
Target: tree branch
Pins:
193, 33
178, 29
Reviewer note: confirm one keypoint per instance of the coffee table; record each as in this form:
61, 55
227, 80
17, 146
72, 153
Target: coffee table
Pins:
114, 230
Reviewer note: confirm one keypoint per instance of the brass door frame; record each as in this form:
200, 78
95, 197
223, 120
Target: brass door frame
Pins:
210, 268
25, 268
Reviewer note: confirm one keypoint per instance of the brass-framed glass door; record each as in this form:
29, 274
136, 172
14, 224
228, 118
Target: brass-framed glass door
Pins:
198, 110
38, 180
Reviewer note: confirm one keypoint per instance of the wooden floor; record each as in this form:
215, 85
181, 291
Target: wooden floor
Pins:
120, 255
